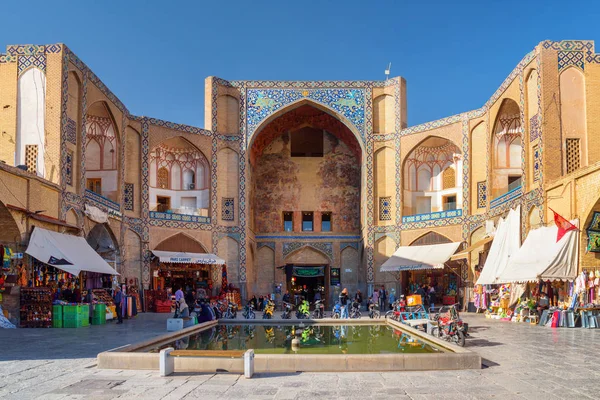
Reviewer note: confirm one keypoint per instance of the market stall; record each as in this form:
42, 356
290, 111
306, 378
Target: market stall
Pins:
64, 268
428, 265
188, 271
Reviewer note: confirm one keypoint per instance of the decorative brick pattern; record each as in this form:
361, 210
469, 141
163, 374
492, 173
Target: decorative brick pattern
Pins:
227, 208
128, 196
573, 155
34, 61
31, 157
385, 208
481, 194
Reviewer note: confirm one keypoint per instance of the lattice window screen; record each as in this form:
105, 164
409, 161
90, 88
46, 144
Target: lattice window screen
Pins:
573, 155
162, 178
385, 208
449, 178
31, 155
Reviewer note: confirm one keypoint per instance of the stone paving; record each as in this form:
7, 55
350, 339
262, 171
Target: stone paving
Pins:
522, 362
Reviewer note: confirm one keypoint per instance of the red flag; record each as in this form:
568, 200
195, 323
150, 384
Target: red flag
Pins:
562, 224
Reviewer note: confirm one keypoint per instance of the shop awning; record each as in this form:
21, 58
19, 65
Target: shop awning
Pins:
465, 252
506, 243
408, 258
543, 258
187, 258
69, 253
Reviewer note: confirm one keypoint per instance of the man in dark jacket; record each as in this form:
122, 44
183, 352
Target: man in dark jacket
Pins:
118, 298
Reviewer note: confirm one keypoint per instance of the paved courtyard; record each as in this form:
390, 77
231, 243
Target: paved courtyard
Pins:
522, 362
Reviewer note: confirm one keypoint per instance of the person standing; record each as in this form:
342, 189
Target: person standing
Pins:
117, 298
344, 303
382, 298
392, 298
431, 297
358, 298
179, 294
375, 298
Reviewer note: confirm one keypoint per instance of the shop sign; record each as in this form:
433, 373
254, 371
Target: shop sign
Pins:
334, 277
309, 272
17, 256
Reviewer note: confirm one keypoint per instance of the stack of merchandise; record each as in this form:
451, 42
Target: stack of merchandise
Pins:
57, 316
99, 314
36, 308
76, 316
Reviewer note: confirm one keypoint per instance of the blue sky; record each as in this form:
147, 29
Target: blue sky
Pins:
154, 55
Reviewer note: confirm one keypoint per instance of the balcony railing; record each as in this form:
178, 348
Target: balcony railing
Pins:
95, 197
508, 196
432, 216
172, 216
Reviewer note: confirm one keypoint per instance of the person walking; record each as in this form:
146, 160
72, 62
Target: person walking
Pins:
382, 298
117, 298
344, 303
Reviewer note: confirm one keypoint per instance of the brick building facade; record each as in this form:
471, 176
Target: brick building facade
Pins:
320, 173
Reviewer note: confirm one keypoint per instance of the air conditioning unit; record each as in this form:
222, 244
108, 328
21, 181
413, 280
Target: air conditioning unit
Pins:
191, 186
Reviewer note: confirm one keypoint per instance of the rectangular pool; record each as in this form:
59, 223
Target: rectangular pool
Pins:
301, 339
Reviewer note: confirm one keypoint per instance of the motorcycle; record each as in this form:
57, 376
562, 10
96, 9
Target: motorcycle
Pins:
287, 311
398, 307
355, 310
319, 311
303, 310
374, 311
268, 311
449, 326
336, 313
231, 311
249, 311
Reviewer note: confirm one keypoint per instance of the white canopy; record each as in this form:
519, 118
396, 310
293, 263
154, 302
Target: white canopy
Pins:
408, 258
187, 258
506, 243
542, 257
69, 253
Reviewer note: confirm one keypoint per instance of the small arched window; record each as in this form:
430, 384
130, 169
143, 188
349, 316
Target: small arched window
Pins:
189, 180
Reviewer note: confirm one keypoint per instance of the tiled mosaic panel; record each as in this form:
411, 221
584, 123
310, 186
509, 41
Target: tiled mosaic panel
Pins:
326, 248
128, 196
481, 194
263, 102
33, 61
69, 167
385, 208
227, 208
534, 128
569, 58
537, 164
71, 131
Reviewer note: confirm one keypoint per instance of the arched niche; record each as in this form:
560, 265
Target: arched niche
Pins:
507, 145
424, 168
384, 114
31, 117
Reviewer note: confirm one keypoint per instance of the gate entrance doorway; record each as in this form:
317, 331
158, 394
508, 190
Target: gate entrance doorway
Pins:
306, 281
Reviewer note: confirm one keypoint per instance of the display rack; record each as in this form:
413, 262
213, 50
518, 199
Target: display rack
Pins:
36, 307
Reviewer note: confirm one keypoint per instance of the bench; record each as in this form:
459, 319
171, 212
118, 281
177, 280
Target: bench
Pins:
167, 358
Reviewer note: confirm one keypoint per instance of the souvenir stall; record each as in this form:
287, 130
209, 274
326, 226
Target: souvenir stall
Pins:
58, 295
427, 265
174, 270
541, 274
13, 274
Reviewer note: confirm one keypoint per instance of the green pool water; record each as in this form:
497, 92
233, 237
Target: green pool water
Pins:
314, 339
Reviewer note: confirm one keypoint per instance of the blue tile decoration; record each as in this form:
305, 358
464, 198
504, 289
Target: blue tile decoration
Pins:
227, 208
482, 194
349, 103
570, 58
432, 216
128, 196
309, 237
534, 128
179, 217
385, 208
537, 165
33, 61
103, 202
323, 247
71, 131
69, 168
354, 245
506, 197
270, 245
